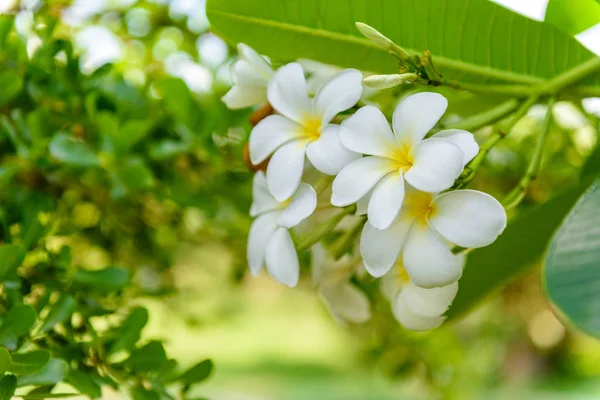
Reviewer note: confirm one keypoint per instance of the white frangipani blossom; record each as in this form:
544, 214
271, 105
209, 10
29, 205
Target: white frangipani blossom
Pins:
424, 230
251, 74
430, 165
269, 239
303, 127
345, 301
417, 308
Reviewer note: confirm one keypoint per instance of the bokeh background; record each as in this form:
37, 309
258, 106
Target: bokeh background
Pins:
185, 234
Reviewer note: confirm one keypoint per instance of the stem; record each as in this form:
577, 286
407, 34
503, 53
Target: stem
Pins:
520, 191
569, 77
487, 117
499, 133
345, 243
324, 228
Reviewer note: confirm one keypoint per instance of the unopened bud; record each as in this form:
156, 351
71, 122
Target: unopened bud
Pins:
379, 39
389, 81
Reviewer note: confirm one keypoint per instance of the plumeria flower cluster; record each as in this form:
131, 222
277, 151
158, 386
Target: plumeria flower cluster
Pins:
398, 176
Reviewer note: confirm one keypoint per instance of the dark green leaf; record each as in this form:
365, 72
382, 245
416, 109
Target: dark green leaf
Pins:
60, 311
85, 383
29, 363
591, 167
148, 358
5, 361
108, 279
11, 84
141, 393
134, 174
73, 151
128, 334
54, 372
8, 384
197, 373
572, 263
11, 257
17, 322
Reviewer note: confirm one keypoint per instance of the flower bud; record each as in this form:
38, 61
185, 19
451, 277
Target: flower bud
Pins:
389, 81
379, 39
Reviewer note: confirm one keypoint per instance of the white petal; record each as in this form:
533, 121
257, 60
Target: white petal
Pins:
417, 114
427, 260
429, 302
412, 321
285, 169
368, 132
348, 302
287, 92
463, 139
437, 164
238, 97
468, 218
260, 234
340, 93
247, 76
262, 200
301, 206
380, 248
327, 154
269, 134
281, 258
362, 205
255, 59
386, 200
357, 178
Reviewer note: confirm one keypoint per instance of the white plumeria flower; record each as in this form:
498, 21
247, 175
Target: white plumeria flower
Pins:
303, 127
430, 165
428, 225
416, 308
345, 301
269, 239
251, 74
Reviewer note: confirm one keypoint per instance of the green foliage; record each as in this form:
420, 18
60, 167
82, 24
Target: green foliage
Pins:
8, 384
472, 41
571, 264
574, 16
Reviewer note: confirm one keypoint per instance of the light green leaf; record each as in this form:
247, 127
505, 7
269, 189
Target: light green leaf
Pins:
11, 84
5, 361
573, 16
29, 363
73, 151
54, 372
8, 384
197, 373
60, 311
11, 257
513, 253
108, 279
572, 265
471, 40
128, 334
17, 322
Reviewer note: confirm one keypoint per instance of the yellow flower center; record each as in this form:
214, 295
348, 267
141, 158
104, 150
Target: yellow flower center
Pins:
311, 127
402, 157
399, 273
419, 206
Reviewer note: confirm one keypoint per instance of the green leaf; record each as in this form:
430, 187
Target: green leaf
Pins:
141, 393
54, 372
573, 16
11, 84
197, 373
572, 265
8, 384
11, 257
5, 361
29, 363
513, 253
148, 358
17, 322
85, 383
134, 174
473, 41
108, 279
128, 334
591, 167
60, 311
73, 151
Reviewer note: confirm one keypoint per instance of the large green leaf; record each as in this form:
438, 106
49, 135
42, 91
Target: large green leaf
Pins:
572, 265
573, 16
471, 40
29, 363
54, 372
515, 252
8, 384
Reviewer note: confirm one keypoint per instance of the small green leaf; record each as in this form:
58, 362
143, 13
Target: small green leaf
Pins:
11, 257
17, 322
108, 279
85, 383
73, 151
60, 311
141, 393
5, 361
197, 373
11, 84
167, 148
134, 175
54, 372
8, 385
29, 363
148, 358
128, 334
